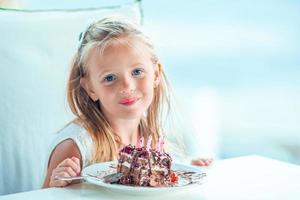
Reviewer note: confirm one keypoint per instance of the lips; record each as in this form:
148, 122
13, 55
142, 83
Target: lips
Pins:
129, 101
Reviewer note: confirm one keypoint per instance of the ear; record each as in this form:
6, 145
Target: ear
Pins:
157, 73
88, 88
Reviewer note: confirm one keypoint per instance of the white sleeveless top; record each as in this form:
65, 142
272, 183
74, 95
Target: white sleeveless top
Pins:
83, 141
81, 138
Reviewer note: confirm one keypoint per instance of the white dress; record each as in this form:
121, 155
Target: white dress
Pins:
80, 137
84, 142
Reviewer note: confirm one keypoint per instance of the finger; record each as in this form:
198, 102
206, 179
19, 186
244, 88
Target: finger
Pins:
58, 183
77, 161
54, 182
198, 162
70, 171
62, 171
70, 163
208, 161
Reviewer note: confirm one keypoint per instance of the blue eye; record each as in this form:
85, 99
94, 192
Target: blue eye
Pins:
110, 78
137, 72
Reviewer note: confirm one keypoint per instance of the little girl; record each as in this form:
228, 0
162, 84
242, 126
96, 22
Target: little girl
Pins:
116, 89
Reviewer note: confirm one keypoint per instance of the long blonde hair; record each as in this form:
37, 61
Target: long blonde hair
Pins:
88, 112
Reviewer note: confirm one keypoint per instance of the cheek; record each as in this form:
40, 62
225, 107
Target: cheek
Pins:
105, 94
147, 86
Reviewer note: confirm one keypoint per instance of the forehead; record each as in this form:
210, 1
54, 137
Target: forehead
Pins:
120, 50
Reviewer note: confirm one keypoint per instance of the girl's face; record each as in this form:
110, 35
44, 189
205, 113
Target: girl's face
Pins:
123, 79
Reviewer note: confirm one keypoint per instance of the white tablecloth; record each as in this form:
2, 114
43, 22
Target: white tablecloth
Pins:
248, 177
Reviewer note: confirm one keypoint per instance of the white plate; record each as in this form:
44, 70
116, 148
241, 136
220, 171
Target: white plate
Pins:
101, 169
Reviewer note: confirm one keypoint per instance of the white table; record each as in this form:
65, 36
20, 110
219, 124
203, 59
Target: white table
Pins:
248, 177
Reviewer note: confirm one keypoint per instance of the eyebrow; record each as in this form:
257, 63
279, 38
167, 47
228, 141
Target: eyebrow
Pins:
108, 70
138, 63
101, 73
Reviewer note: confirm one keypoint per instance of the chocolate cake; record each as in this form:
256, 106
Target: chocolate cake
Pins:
145, 167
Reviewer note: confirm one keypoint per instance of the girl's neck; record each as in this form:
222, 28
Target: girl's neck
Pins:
127, 130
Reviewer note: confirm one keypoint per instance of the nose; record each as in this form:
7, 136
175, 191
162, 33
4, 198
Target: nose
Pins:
127, 85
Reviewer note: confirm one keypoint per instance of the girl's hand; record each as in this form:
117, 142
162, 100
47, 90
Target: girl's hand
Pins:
69, 167
202, 162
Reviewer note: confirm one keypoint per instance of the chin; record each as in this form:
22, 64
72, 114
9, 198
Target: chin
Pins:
130, 116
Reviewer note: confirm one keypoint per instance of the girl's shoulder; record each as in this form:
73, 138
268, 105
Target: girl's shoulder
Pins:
72, 129
79, 135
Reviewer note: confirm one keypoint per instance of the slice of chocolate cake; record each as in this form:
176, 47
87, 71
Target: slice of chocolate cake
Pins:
145, 167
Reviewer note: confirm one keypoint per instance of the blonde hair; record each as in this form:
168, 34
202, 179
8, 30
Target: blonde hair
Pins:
88, 112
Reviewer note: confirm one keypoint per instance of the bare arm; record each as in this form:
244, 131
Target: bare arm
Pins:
65, 160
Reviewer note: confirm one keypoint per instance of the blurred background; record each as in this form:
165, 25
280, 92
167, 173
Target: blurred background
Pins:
234, 66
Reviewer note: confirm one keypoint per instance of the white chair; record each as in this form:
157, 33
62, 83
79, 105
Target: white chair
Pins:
35, 51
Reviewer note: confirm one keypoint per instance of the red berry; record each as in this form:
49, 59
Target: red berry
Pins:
173, 177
